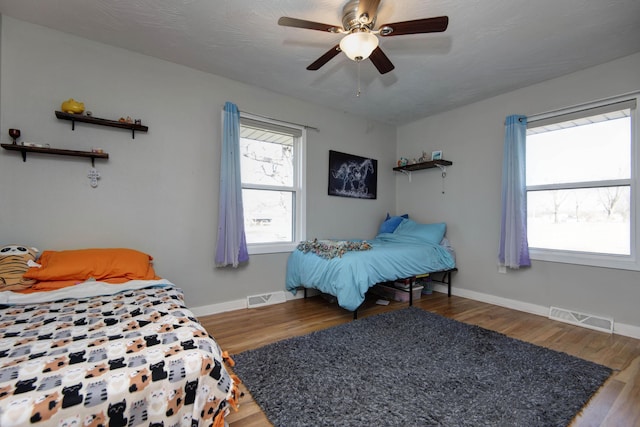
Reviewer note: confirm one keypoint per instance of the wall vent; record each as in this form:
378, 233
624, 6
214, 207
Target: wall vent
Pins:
590, 321
265, 299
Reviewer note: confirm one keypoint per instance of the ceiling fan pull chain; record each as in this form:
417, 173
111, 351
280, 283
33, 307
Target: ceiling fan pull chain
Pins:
444, 175
358, 93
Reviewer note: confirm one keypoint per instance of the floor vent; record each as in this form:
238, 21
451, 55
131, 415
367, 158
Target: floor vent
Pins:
590, 321
265, 299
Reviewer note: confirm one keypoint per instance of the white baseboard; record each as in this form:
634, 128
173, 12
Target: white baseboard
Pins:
205, 310
492, 299
618, 328
238, 304
626, 330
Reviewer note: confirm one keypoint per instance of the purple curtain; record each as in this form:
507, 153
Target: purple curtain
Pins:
514, 247
232, 242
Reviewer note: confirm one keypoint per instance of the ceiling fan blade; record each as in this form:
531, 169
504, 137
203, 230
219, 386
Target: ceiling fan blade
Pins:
418, 26
381, 61
309, 25
368, 8
325, 58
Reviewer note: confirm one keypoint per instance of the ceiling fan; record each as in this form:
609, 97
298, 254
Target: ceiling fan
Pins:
361, 41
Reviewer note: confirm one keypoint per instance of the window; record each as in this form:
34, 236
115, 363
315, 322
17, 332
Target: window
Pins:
581, 185
271, 159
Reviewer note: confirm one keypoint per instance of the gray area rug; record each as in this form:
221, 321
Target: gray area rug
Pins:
414, 368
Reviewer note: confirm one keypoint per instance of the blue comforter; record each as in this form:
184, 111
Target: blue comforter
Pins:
348, 278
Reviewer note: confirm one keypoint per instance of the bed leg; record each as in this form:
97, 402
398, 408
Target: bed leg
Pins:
355, 314
305, 292
411, 293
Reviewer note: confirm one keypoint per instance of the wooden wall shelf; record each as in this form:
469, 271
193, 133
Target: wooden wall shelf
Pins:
57, 151
100, 122
423, 165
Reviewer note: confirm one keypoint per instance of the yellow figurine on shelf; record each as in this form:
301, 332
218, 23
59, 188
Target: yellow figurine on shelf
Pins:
72, 106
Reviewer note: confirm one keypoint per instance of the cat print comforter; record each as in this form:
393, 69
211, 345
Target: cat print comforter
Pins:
137, 357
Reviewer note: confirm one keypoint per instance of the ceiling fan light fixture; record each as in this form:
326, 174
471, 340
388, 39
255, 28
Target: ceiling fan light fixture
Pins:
359, 45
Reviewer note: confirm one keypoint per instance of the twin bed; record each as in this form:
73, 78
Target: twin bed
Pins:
95, 353
347, 269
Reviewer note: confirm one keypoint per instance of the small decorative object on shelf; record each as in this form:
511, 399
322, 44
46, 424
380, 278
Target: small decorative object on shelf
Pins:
436, 155
402, 162
14, 134
33, 144
72, 106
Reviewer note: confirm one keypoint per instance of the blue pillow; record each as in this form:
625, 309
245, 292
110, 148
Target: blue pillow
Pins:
432, 233
390, 224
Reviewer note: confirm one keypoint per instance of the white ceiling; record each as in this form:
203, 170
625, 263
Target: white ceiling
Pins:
490, 47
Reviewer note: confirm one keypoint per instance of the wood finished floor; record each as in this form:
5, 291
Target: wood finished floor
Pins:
616, 404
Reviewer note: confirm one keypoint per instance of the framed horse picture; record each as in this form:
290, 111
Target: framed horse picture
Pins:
352, 176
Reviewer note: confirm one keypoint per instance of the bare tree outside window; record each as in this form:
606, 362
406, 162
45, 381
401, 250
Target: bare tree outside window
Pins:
609, 197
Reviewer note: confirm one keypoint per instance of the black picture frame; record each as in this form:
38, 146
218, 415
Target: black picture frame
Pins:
352, 176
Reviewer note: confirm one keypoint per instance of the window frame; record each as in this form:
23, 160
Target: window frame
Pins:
624, 262
298, 188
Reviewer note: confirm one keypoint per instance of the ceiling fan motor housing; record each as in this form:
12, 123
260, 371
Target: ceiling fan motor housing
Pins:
351, 21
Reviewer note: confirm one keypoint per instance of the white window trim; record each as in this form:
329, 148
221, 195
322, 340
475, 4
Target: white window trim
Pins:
300, 219
622, 262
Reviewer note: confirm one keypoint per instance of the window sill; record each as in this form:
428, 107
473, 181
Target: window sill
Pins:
271, 248
620, 262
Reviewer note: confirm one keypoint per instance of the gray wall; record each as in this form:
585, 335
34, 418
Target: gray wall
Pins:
158, 192
472, 138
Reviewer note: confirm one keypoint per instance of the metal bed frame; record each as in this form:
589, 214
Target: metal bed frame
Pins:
445, 279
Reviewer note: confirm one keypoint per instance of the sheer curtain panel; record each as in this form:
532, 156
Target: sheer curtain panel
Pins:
514, 248
232, 242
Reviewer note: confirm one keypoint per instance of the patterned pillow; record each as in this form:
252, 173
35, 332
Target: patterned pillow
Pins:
13, 264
